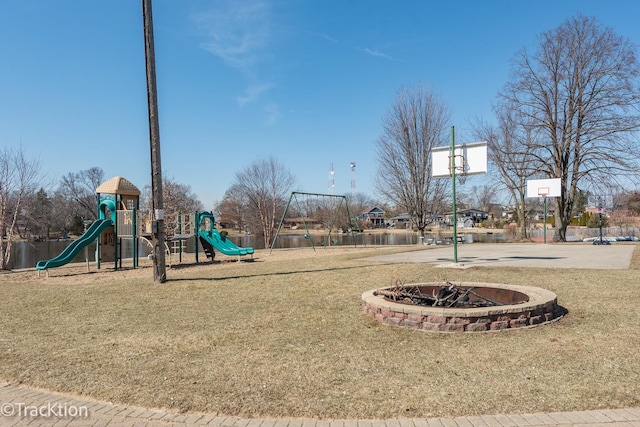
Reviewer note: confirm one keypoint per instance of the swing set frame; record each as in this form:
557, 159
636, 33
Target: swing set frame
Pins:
353, 223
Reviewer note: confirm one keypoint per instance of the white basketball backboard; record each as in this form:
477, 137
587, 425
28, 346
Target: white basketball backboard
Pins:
470, 159
600, 201
544, 187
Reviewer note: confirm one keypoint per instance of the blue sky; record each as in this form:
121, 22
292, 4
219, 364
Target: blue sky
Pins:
307, 82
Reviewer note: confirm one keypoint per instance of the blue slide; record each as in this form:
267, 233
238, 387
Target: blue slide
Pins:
221, 243
76, 246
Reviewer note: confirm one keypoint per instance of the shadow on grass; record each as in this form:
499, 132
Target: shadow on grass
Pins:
277, 273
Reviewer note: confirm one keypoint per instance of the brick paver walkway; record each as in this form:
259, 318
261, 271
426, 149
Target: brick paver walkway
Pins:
25, 406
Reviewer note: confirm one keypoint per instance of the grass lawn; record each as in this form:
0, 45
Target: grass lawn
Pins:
284, 336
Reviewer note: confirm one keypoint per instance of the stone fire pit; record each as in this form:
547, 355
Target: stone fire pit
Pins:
511, 306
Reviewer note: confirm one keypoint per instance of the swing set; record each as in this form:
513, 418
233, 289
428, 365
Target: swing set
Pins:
317, 202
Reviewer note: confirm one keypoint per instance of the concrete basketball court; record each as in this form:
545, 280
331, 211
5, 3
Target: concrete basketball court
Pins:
616, 256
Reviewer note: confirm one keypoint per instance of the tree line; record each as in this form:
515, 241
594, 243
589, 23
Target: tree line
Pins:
570, 110
31, 210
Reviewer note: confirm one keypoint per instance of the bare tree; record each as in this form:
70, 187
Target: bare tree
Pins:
359, 203
581, 90
36, 216
265, 185
336, 212
80, 189
233, 208
61, 217
18, 176
178, 199
484, 197
416, 123
509, 154
633, 202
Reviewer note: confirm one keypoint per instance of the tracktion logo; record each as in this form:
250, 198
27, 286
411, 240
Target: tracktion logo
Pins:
48, 410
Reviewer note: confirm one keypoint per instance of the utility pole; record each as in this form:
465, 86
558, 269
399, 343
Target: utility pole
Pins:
159, 267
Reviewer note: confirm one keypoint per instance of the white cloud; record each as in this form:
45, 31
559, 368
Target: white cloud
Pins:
273, 113
326, 37
252, 92
376, 53
237, 31
368, 51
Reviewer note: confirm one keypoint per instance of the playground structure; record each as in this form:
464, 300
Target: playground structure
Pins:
210, 238
120, 228
114, 229
201, 227
352, 224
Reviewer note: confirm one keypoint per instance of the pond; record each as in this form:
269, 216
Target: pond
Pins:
27, 254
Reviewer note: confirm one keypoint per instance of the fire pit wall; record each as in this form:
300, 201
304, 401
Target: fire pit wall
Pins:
526, 306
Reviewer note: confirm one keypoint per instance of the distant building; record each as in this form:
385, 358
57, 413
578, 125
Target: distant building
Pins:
538, 214
373, 217
404, 221
300, 222
401, 221
473, 216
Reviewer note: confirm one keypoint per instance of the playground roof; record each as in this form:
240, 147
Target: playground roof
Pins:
118, 185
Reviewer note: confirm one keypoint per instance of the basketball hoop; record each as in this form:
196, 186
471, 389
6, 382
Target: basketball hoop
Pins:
544, 188
469, 159
460, 165
543, 192
600, 203
459, 160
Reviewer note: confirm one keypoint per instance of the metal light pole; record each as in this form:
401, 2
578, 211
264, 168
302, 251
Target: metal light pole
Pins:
159, 267
600, 215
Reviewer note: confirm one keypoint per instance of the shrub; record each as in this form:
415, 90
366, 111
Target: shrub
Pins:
594, 221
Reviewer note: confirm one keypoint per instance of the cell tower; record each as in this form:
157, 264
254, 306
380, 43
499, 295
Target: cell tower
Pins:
332, 183
353, 178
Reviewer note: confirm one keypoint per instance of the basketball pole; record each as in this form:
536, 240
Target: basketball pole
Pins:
544, 223
453, 187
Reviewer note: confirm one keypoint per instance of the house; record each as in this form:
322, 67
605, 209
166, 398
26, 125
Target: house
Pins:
223, 223
401, 221
404, 221
474, 215
465, 223
477, 216
298, 222
538, 214
373, 218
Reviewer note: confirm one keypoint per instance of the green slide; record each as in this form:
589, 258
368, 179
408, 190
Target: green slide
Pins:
76, 246
221, 243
